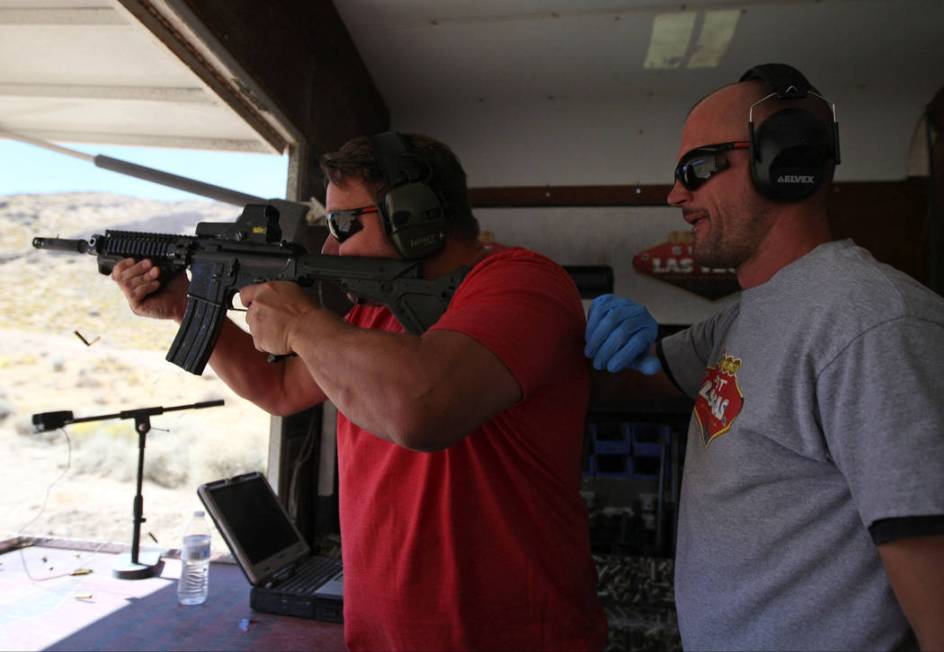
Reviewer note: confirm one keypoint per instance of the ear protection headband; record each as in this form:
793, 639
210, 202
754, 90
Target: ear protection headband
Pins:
411, 212
793, 149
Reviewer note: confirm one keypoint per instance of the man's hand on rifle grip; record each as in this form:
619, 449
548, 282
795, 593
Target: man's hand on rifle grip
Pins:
275, 311
140, 282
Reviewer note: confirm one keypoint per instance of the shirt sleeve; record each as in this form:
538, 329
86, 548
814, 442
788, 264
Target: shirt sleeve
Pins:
881, 408
526, 310
686, 354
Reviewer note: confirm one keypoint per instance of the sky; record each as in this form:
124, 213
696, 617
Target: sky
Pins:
28, 169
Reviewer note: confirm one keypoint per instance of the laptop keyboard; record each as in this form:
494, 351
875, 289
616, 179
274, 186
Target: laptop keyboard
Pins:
312, 574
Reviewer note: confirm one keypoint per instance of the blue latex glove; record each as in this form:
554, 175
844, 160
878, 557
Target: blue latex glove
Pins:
619, 335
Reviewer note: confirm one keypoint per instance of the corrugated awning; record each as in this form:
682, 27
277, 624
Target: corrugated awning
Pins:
90, 71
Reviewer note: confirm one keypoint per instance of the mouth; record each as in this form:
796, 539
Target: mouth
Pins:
695, 217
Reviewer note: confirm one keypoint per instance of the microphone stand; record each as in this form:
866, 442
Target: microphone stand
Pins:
135, 565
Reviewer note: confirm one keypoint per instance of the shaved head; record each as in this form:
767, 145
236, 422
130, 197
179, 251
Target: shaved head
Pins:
729, 107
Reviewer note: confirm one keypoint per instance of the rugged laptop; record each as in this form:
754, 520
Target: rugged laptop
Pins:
286, 578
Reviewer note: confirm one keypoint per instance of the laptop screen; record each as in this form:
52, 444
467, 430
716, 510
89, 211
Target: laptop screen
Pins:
255, 519
255, 526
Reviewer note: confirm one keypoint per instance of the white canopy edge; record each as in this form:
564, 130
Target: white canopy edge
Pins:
233, 85
147, 140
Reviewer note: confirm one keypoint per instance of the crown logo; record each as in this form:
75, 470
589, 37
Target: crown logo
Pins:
681, 237
729, 365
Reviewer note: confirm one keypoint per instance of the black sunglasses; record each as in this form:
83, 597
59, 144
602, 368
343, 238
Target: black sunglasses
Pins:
343, 224
700, 164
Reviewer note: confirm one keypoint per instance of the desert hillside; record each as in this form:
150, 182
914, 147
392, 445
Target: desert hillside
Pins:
45, 366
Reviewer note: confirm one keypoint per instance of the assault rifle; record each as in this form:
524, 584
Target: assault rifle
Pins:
224, 257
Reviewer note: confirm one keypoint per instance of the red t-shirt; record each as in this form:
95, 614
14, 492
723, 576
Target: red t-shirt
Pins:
484, 545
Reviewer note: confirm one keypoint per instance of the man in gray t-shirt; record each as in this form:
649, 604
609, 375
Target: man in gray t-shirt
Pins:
812, 507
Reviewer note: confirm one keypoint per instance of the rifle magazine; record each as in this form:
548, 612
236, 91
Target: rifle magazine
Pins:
197, 335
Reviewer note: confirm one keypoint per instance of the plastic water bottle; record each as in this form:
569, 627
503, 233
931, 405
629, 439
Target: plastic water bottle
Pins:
195, 561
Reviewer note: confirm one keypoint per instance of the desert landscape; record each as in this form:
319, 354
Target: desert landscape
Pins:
45, 366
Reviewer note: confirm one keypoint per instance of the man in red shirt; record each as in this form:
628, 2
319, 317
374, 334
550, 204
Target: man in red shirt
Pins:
459, 450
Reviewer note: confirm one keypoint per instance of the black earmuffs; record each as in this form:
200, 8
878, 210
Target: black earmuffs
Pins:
412, 213
793, 150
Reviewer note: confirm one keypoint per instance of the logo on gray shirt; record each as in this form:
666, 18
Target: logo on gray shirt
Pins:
719, 399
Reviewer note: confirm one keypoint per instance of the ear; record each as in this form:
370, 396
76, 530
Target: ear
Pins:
790, 155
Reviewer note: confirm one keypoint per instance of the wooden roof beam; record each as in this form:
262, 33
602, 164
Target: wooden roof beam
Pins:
288, 67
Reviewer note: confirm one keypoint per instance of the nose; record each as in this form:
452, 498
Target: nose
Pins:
678, 195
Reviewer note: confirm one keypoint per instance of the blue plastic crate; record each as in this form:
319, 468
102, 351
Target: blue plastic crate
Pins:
611, 466
610, 438
647, 439
609, 447
645, 468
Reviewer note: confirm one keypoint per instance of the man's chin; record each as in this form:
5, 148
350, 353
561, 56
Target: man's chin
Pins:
709, 259
701, 254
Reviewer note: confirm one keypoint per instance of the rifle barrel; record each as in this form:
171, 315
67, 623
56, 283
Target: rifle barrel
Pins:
62, 244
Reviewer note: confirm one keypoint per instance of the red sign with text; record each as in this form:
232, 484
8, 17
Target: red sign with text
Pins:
672, 262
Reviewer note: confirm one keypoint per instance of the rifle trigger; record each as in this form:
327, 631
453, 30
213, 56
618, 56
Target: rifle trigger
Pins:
279, 358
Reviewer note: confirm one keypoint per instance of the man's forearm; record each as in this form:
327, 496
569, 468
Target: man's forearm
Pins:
247, 372
630, 384
915, 568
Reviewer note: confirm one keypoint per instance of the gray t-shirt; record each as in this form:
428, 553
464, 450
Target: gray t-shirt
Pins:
819, 410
